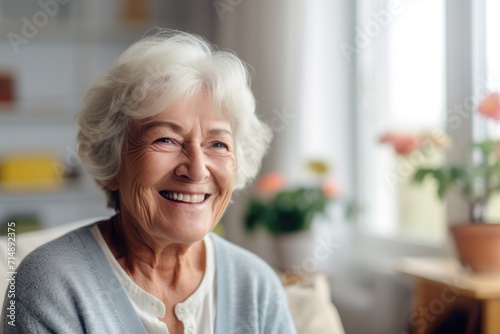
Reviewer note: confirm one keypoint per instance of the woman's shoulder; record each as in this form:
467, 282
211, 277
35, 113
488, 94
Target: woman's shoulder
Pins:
59, 255
249, 292
240, 261
61, 245
234, 251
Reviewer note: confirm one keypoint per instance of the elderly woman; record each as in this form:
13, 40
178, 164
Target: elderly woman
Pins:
168, 134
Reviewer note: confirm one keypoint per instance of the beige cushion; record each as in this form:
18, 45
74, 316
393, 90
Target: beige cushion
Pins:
311, 307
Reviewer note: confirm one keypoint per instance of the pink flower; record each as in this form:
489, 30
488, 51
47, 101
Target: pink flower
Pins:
331, 188
270, 183
402, 143
490, 106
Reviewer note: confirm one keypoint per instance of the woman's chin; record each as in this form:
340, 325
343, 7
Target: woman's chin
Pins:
187, 236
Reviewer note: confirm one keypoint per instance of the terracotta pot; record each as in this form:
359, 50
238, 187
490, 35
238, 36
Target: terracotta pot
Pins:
478, 246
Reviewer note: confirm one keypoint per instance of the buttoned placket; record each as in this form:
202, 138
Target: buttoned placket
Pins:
184, 312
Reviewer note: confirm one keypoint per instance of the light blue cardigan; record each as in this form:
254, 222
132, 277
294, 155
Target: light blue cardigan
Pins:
68, 286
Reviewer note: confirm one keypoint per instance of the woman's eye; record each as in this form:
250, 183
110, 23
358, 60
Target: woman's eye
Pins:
163, 140
220, 145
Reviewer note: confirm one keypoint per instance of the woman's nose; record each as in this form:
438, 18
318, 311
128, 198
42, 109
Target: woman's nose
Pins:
194, 166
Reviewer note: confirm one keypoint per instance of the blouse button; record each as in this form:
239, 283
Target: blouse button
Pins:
189, 330
180, 309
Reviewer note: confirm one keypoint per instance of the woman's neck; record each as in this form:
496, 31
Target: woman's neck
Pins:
157, 265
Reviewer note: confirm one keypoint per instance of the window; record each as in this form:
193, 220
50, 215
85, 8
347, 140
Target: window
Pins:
401, 66
401, 53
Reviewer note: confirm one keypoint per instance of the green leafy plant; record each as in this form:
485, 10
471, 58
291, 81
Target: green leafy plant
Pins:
288, 210
477, 182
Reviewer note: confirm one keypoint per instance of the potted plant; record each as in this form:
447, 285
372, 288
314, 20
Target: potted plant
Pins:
287, 212
477, 179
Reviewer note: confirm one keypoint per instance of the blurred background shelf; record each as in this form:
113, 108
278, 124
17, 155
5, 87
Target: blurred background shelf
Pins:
67, 193
78, 31
16, 118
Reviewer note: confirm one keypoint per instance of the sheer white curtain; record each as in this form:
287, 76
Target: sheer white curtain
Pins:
269, 36
302, 83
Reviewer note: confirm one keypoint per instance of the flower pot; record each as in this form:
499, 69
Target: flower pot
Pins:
293, 249
478, 246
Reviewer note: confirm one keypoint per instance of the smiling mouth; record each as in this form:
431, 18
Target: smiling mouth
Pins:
184, 198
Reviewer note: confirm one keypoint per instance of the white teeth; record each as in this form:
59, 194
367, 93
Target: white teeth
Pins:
196, 198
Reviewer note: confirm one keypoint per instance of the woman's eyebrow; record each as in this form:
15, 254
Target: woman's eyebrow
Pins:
220, 131
150, 125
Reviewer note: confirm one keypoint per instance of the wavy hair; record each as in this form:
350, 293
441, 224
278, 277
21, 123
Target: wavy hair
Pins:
153, 74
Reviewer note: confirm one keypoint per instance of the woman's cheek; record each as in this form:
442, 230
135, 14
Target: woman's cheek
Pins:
230, 163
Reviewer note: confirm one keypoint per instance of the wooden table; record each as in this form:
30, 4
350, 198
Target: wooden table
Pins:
443, 284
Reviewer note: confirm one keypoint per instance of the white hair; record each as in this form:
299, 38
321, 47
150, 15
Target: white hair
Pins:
153, 74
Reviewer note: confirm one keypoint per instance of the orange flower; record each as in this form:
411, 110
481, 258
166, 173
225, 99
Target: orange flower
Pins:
402, 143
331, 188
490, 106
270, 183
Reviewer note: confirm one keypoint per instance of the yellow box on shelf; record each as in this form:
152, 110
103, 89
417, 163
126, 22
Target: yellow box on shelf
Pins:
33, 171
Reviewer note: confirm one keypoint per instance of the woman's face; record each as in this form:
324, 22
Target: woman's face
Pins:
177, 170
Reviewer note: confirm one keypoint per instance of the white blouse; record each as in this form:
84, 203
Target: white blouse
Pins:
197, 312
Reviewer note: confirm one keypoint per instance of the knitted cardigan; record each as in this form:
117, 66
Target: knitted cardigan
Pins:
68, 286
